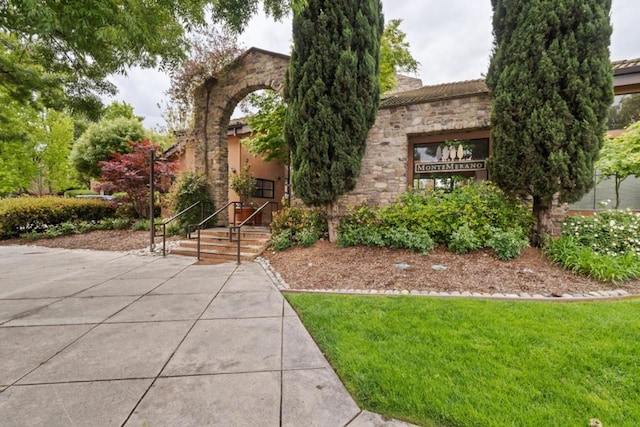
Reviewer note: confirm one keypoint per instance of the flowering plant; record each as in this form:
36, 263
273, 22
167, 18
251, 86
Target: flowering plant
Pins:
611, 232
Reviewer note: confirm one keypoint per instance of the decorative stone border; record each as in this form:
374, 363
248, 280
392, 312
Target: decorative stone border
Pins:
157, 250
593, 295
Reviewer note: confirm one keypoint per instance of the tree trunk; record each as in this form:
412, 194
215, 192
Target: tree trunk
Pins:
333, 220
544, 225
618, 182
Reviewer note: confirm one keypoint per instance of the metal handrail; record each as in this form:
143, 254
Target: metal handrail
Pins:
173, 218
204, 221
237, 228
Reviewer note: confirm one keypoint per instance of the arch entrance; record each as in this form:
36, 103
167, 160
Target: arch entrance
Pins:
216, 100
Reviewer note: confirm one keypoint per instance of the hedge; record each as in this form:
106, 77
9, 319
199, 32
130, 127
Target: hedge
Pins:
79, 192
28, 214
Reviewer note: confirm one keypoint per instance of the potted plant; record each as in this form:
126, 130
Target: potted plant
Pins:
244, 184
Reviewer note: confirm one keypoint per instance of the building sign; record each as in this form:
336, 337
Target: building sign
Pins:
458, 166
450, 157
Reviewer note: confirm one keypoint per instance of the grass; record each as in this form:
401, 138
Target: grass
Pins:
461, 362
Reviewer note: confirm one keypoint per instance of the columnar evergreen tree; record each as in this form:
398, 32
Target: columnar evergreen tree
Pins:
551, 81
333, 94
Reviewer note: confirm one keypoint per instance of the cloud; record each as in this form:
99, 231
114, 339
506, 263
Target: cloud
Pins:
143, 89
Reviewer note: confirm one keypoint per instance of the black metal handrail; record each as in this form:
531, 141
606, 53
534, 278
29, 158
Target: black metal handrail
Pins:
204, 221
271, 205
173, 218
237, 228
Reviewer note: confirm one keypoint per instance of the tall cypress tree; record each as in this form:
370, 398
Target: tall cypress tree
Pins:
333, 94
551, 81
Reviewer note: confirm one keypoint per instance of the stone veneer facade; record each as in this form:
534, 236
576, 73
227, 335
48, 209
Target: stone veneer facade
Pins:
215, 101
410, 114
386, 163
388, 156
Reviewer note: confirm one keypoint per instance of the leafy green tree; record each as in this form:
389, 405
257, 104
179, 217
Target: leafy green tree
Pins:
17, 168
395, 56
50, 48
101, 140
626, 112
551, 83
237, 13
54, 142
267, 127
120, 109
34, 148
620, 157
23, 75
333, 93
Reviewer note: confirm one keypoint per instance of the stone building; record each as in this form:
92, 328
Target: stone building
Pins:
412, 131
423, 137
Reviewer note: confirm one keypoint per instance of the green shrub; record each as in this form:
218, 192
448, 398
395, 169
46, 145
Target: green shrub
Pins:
66, 228
567, 252
306, 237
359, 227
187, 190
464, 220
363, 228
79, 192
299, 218
605, 246
174, 229
30, 214
140, 225
611, 232
415, 241
282, 240
508, 244
126, 210
464, 240
481, 207
301, 225
113, 224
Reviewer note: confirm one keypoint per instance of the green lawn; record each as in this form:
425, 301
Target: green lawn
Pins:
462, 362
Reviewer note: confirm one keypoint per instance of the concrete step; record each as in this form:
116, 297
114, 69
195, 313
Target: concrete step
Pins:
223, 247
224, 240
215, 244
211, 254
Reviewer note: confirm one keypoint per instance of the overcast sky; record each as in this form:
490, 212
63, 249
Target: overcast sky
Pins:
451, 40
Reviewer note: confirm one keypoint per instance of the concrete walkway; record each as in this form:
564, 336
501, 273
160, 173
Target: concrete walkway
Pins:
107, 339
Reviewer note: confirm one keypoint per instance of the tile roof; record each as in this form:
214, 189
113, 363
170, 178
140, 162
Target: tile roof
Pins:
435, 93
473, 87
625, 66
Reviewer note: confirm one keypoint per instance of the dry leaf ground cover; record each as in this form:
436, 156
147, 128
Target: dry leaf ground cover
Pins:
326, 266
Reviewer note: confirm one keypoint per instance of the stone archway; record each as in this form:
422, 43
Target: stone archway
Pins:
215, 101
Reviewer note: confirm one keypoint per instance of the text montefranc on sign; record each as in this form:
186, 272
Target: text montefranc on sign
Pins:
474, 165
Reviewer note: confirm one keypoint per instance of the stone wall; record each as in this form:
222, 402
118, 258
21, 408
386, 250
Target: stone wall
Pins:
404, 83
385, 166
215, 101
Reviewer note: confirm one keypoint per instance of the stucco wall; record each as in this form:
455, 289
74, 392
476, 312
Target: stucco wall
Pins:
273, 171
